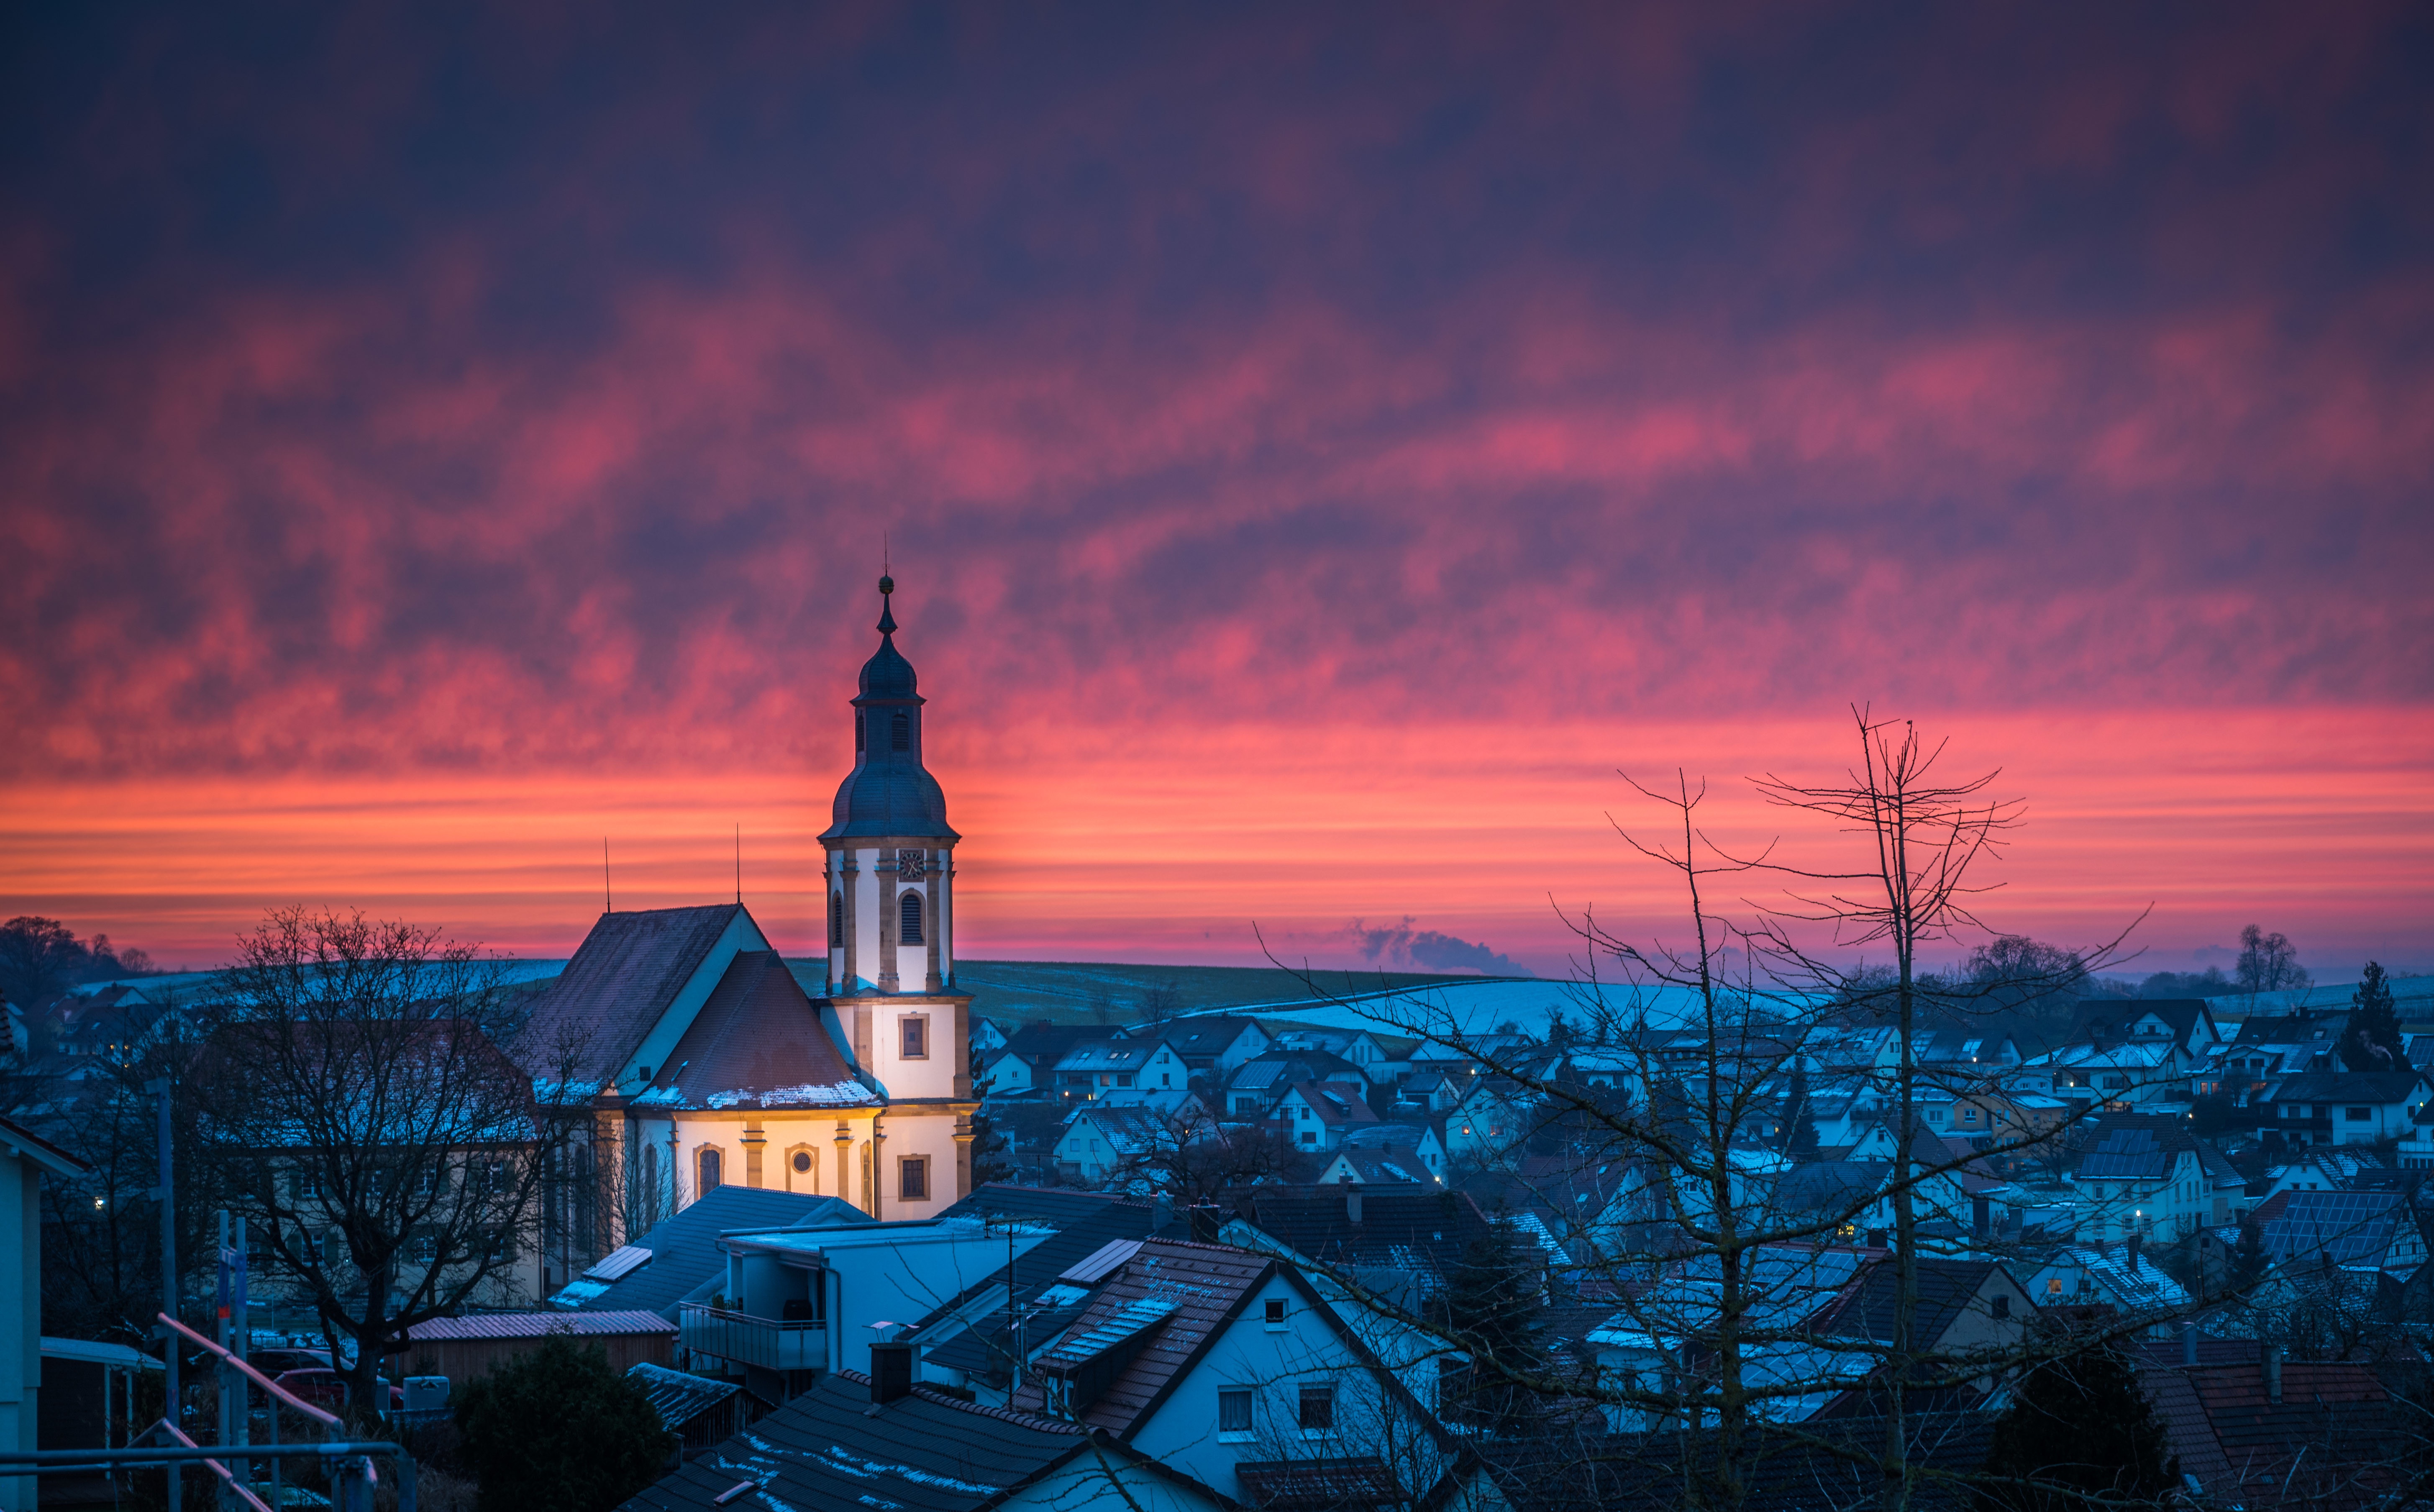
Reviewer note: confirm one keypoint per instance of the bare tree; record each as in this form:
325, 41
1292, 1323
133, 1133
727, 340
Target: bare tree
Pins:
389, 1156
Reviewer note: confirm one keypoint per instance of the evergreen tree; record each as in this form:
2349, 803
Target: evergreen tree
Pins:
2078, 1427
559, 1431
1799, 1128
1495, 1307
2371, 1038
989, 1146
2248, 1262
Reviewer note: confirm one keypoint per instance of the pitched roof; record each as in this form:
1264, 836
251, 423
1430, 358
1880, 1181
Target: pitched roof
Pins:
684, 1248
1078, 1235
1319, 1485
1003, 1199
1044, 1044
1373, 1167
2353, 1227
676, 1396
537, 1326
2113, 1016
1207, 1036
2328, 1441
1946, 1289
620, 981
833, 1447
1173, 1297
2347, 1087
758, 1041
1109, 1055
1420, 1233
2134, 1147
1335, 1103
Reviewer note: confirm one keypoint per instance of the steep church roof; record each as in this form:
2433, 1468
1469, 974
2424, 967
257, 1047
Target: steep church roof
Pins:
623, 977
757, 1042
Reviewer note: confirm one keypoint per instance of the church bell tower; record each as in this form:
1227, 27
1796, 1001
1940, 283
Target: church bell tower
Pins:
890, 852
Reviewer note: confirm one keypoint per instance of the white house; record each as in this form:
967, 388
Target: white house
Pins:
1100, 1140
1096, 1067
25, 1158
1317, 1115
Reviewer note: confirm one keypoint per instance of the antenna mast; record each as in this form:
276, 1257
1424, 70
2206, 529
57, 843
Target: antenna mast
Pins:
608, 899
738, 863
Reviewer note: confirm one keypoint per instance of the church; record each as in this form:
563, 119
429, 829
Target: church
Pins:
718, 1062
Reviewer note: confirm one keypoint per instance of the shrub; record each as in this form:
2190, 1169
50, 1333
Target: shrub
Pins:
559, 1431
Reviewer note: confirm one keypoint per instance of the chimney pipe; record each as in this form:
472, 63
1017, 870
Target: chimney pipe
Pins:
2189, 1344
891, 1371
2272, 1354
2132, 1248
1207, 1220
1981, 1216
1352, 1202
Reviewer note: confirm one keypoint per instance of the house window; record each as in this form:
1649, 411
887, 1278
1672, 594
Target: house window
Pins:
709, 1163
2053, 1286
912, 1178
1234, 1413
915, 1029
2002, 1307
2358, 1115
1970, 1115
910, 932
900, 732
1317, 1408
1274, 1312
650, 1167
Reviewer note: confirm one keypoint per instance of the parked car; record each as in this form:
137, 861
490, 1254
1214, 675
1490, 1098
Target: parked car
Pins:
326, 1389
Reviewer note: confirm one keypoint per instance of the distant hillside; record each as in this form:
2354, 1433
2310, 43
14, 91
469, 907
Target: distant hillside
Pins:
1073, 991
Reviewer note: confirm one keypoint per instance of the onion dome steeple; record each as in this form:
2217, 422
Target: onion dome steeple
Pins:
888, 793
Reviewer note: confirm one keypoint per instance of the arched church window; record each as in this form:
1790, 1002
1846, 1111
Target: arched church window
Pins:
650, 1168
857, 730
708, 1171
900, 732
910, 933
836, 920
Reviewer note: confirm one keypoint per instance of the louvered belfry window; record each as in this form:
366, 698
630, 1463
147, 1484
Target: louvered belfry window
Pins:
836, 920
910, 932
900, 732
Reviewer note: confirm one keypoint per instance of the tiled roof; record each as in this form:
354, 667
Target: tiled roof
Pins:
833, 1447
757, 1043
621, 980
2328, 1442
1946, 1289
684, 1248
1197, 1038
1200, 1286
1082, 1229
1336, 1104
2189, 1430
676, 1396
1317, 1484
537, 1325
2370, 1086
1419, 1233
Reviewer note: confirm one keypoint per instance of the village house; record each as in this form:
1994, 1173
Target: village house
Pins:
1096, 1067
1100, 1140
1316, 1116
2341, 1106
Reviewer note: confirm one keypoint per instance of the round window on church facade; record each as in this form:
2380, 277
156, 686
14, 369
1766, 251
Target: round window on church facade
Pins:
803, 1161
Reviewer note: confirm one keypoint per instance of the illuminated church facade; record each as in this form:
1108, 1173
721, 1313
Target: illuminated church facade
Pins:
719, 1061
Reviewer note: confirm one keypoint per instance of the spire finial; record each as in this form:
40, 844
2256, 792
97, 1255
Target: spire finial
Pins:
886, 608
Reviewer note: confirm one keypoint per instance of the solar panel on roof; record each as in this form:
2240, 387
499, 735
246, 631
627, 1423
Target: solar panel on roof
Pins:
1099, 1261
618, 1263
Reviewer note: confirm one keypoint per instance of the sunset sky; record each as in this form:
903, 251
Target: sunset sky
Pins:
1318, 447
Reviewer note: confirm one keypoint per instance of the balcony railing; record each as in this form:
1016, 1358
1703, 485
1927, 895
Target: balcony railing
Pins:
768, 1342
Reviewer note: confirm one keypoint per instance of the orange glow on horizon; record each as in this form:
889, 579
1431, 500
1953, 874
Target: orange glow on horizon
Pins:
1168, 843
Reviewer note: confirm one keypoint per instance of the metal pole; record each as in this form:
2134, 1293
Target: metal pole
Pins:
169, 1348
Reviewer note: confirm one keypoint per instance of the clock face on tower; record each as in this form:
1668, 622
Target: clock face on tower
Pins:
910, 864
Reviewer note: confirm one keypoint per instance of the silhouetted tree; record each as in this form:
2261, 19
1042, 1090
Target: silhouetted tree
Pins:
2248, 1260
560, 1431
2077, 1428
990, 1162
2268, 963
2371, 1037
1495, 1307
1799, 1128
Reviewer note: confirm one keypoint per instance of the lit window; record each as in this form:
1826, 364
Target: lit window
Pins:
910, 933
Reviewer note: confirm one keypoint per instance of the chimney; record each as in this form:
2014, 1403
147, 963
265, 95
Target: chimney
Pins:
1161, 1213
891, 1371
2189, 1344
1207, 1219
1875, 1239
1981, 1216
2132, 1249
2272, 1356
1352, 1202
